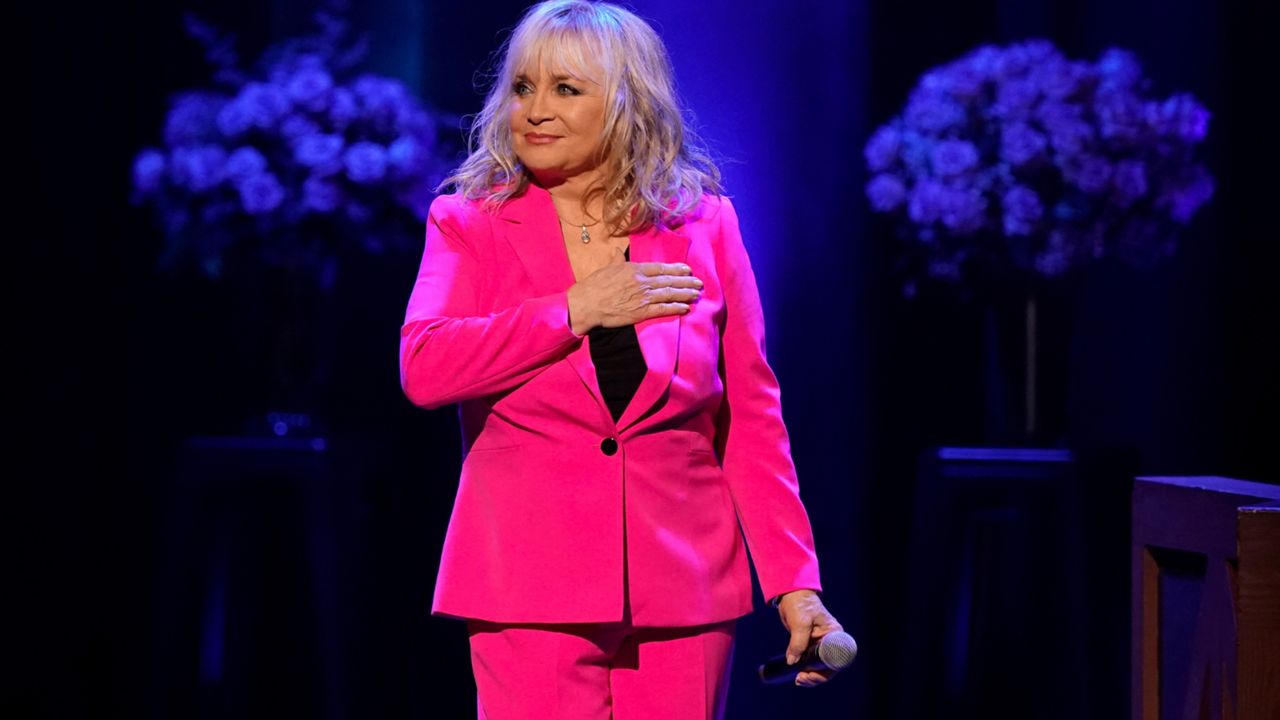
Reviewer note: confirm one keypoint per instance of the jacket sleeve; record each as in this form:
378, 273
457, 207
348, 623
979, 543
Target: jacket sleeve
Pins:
750, 436
448, 351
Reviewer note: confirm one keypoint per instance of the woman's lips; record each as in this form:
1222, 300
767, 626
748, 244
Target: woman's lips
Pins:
536, 139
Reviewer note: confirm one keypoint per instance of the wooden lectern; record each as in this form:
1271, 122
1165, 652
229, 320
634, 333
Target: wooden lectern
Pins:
1206, 599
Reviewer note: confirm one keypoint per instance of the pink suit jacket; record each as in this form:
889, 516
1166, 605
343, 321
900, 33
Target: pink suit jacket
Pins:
558, 507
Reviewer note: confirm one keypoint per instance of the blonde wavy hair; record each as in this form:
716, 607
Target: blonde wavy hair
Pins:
654, 168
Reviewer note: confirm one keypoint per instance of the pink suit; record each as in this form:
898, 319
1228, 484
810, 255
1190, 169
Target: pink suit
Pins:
559, 510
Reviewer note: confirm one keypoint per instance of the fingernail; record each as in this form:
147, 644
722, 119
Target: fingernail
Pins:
791, 659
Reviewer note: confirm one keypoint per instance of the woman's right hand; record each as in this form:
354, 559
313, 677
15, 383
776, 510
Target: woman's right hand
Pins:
624, 293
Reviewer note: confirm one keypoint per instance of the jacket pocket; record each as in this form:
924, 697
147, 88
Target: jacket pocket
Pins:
697, 442
493, 448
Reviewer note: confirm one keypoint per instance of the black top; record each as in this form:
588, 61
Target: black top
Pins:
619, 363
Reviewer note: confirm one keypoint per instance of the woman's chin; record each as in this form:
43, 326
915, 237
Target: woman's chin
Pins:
551, 174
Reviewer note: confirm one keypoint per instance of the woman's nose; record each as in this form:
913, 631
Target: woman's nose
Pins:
538, 108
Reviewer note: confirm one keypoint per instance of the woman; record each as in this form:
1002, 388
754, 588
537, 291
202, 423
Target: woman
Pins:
586, 297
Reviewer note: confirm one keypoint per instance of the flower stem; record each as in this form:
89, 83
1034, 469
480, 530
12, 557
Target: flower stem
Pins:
1030, 375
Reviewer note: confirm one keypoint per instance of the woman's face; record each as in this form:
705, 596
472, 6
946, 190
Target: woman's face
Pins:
556, 122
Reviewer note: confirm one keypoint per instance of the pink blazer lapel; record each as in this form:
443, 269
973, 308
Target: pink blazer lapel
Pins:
533, 231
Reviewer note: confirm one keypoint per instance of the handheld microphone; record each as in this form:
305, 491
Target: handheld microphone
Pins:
833, 651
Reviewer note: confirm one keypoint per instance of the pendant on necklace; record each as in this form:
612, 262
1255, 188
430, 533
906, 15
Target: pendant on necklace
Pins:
586, 236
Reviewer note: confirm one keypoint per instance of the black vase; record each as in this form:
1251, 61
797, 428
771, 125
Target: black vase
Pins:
1026, 352
288, 323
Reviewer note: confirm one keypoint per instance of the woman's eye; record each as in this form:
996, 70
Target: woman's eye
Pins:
521, 88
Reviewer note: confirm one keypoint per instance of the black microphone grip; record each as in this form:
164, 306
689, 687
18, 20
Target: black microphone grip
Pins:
833, 651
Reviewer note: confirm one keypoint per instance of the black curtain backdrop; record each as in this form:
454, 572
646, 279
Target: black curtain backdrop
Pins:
1174, 369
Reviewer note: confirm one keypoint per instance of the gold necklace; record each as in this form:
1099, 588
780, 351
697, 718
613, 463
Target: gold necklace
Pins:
586, 236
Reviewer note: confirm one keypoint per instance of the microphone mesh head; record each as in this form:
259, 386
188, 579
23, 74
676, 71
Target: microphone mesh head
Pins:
837, 650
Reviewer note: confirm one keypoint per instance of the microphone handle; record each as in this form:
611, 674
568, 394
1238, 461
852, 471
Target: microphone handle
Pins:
776, 670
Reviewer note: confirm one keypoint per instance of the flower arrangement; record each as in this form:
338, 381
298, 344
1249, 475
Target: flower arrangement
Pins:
1019, 162
292, 158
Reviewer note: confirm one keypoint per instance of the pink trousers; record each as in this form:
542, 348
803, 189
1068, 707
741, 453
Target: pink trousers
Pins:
599, 671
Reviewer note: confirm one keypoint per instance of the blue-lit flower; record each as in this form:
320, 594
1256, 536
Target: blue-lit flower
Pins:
148, 171
366, 162
984, 61
1020, 144
926, 202
300, 131
1055, 259
963, 210
954, 157
1119, 70
380, 98
407, 156
1187, 193
1069, 132
1181, 116
882, 149
1121, 117
1129, 182
1022, 210
234, 119
344, 109
1090, 173
321, 152
1059, 78
296, 125
321, 194
934, 111
959, 80
886, 192
311, 87
261, 193
243, 162
1056, 157
265, 103
1016, 99
191, 118
198, 168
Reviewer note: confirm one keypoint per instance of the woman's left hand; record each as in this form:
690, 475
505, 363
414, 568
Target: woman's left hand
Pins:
805, 617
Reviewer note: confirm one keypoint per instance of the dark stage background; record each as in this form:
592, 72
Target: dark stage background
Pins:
1169, 373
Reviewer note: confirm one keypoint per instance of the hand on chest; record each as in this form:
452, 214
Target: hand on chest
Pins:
586, 258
